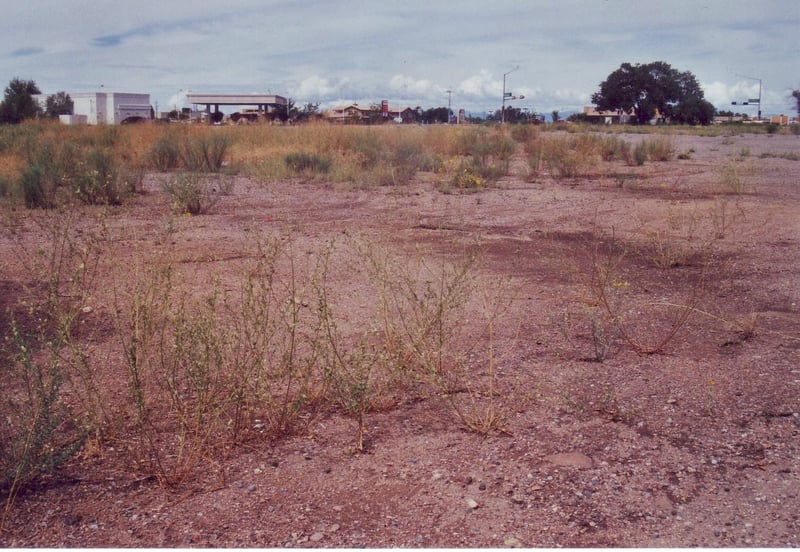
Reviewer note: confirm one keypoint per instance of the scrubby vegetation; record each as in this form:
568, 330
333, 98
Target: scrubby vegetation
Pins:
266, 345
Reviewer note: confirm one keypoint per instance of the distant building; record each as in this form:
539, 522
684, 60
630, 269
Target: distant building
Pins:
606, 117
355, 113
262, 106
97, 108
111, 108
73, 119
721, 119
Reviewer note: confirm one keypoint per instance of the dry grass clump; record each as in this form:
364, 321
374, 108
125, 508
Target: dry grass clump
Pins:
732, 178
573, 155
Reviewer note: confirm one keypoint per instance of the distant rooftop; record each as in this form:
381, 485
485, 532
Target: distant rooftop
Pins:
235, 99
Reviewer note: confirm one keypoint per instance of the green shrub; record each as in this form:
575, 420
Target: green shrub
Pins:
37, 435
97, 180
640, 154
204, 153
402, 162
45, 418
562, 158
659, 148
524, 133
489, 156
614, 148
367, 149
195, 193
38, 191
6, 186
165, 153
307, 163
44, 173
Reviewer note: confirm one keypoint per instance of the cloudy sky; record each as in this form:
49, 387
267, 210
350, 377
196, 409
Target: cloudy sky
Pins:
408, 51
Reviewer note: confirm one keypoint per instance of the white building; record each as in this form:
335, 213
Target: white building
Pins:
111, 107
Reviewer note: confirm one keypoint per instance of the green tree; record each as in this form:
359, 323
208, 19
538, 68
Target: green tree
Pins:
650, 88
435, 115
309, 112
691, 107
796, 96
58, 104
18, 103
513, 115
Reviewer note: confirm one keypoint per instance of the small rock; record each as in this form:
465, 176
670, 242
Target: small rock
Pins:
333, 528
316, 537
482, 486
71, 520
471, 504
251, 487
512, 542
436, 475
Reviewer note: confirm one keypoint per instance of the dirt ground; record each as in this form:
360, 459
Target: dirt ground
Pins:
696, 445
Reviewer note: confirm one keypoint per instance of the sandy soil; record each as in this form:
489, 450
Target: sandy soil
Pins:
694, 446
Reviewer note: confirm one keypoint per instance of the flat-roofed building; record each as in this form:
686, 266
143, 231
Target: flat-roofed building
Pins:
111, 107
266, 104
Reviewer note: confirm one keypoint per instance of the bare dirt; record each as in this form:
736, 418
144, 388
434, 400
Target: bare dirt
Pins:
696, 445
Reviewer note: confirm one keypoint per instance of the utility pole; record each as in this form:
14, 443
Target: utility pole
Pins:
449, 93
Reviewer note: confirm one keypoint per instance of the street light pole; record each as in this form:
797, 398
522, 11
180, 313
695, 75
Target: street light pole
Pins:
503, 109
449, 93
759, 92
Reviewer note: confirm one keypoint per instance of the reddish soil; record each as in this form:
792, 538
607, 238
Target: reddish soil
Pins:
696, 445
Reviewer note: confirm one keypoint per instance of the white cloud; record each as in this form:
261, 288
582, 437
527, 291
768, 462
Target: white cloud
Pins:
177, 101
481, 86
721, 94
319, 87
408, 86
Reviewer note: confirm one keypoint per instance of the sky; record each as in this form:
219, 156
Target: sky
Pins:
555, 53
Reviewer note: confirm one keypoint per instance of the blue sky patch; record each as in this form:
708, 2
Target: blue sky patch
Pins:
22, 52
